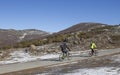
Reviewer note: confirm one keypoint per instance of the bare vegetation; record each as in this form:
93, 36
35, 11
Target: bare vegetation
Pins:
79, 38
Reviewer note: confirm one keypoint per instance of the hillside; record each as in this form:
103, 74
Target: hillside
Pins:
82, 27
105, 36
80, 35
11, 36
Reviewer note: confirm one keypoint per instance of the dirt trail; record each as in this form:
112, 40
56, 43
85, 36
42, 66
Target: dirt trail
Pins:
50, 62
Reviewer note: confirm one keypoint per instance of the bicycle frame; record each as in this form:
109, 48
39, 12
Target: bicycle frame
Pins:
62, 56
95, 53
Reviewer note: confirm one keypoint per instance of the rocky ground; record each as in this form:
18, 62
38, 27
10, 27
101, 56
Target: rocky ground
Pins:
106, 61
91, 63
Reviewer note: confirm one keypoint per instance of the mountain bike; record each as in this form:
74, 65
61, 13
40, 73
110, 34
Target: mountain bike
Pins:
95, 53
62, 56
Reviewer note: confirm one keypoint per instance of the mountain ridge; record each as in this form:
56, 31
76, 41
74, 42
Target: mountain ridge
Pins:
83, 27
11, 36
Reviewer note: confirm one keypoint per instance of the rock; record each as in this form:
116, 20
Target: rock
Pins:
33, 47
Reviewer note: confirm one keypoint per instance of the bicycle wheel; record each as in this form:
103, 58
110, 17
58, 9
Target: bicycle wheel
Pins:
69, 56
90, 54
61, 57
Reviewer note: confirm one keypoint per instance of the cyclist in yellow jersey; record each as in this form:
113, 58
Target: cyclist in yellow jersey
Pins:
92, 47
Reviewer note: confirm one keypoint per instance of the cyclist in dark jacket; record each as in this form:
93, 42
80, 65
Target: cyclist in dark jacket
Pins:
64, 49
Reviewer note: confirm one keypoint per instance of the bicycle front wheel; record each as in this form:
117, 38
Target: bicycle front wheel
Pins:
69, 56
61, 57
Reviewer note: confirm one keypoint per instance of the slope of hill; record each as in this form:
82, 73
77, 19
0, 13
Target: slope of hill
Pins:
83, 27
105, 36
79, 37
11, 36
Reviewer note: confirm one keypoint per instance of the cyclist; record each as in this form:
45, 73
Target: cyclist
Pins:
64, 48
92, 47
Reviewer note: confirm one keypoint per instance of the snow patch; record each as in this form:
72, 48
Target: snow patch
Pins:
96, 71
49, 56
23, 36
21, 56
18, 56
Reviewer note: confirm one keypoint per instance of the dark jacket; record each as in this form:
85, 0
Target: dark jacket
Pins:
64, 47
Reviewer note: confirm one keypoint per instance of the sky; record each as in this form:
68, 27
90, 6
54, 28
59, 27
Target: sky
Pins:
56, 15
